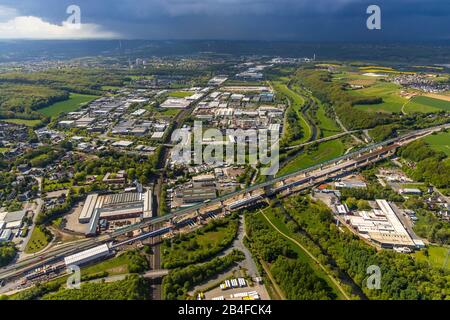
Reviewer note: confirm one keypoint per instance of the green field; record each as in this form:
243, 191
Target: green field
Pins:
28, 123
328, 127
198, 246
324, 152
439, 142
37, 242
389, 92
436, 256
74, 103
297, 103
180, 94
164, 112
427, 104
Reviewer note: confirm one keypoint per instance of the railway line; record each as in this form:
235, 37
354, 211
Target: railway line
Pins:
283, 185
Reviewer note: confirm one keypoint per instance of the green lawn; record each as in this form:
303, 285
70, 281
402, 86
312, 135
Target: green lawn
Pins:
389, 92
165, 112
324, 152
439, 142
72, 104
28, 123
427, 104
37, 242
114, 266
297, 103
436, 256
107, 88
327, 126
180, 94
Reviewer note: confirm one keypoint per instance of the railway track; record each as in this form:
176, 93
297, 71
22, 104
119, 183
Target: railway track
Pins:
287, 183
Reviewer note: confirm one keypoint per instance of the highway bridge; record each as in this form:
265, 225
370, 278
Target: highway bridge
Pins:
283, 185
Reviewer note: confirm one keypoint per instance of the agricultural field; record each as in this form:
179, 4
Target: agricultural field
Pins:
354, 78
28, 123
323, 152
74, 103
389, 92
427, 104
439, 142
381, 70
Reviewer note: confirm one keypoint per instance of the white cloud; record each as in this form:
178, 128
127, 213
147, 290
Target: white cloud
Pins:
14, 26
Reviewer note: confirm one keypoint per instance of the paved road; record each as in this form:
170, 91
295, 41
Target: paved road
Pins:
336, 136
248, 263
406, 221
358, 140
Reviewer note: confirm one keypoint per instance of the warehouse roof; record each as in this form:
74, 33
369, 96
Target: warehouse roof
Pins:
86, 255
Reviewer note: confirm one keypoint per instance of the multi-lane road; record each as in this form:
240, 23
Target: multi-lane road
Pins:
285, 184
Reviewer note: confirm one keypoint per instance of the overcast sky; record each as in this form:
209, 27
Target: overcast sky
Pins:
304, 20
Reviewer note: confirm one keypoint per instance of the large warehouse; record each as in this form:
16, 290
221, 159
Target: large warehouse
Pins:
115, 206
84, 257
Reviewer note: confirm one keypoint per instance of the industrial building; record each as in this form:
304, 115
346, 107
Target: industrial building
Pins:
381, 226
10, 222
198, 194
87, 256
115, 206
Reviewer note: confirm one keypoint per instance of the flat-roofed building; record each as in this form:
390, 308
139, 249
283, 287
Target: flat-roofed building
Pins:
382, 226
194, 195
117, 206
148, 204
176, 103
5, 235
87, 255
204, 180
88, 208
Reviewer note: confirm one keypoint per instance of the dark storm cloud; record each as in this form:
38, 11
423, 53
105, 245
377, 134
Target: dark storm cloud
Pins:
252, 19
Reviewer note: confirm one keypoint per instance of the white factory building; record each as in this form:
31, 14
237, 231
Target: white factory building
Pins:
115, 206
86, 256
381, 226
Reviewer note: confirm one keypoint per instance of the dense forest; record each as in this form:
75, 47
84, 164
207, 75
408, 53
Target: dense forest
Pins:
132, 288
296, 278
179, 281
7, 253
200, 245
21, 94
298, 281
333, 93
430, 166
22, 100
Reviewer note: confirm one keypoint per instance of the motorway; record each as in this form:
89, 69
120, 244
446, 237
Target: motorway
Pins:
285, 184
